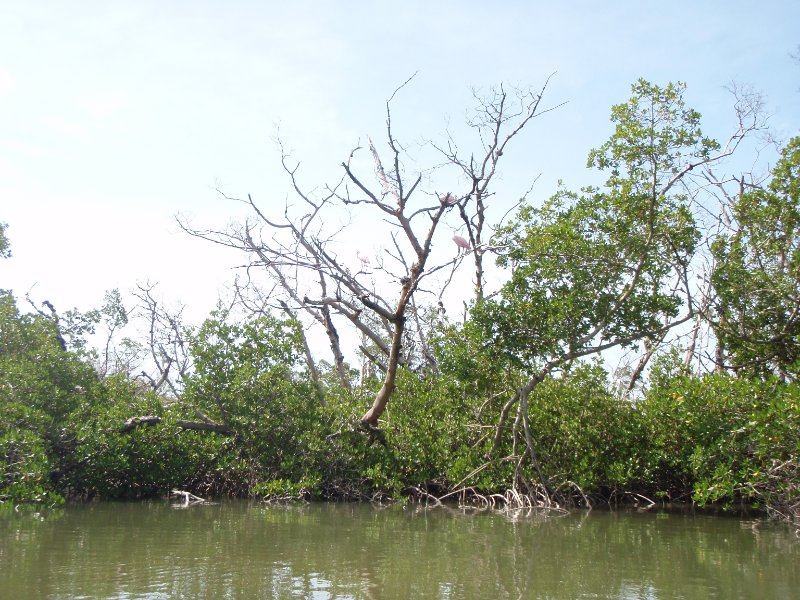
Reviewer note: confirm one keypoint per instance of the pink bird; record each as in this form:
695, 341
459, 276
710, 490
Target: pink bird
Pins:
362, 257
461, 242
448, 199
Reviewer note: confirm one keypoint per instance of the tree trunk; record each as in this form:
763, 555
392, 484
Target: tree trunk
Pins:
382, 397
371, 417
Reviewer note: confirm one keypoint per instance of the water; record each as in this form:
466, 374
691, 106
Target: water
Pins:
321, 551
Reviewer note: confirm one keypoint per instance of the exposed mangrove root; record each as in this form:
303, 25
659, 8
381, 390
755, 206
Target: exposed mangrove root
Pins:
650, 503
572, 484
512, 500
428, 496
285, 499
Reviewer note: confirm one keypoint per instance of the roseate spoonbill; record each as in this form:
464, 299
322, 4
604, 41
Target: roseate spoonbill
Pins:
461, 242
363, 258
448, 199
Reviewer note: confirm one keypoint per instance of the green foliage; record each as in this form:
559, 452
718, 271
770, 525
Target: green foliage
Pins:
250, 377
595, 265
60, 425
484, 380
76, 327
584, 266
431, 441
427, 426
589, 271
25, 469
284, 489
725, 439
464, 356
656, 137
5, 244
41, 384
583, 433
757, 277
144, 462
34, 369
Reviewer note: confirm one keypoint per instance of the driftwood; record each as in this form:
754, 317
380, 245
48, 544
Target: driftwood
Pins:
188, 497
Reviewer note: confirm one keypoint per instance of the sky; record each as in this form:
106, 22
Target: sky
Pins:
118, 116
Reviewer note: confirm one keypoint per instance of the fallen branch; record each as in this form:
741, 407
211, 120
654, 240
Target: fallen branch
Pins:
134, 422
205, 426
188, 497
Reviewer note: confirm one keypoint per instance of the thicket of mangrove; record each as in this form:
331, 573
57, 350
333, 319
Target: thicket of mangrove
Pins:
688, 278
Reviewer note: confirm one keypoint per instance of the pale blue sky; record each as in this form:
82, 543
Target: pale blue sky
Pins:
116, 116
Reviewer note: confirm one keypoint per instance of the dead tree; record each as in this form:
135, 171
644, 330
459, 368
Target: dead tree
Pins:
499, 117
301, 251
167, 344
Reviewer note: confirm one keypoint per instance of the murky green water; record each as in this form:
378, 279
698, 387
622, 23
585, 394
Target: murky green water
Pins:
243, 550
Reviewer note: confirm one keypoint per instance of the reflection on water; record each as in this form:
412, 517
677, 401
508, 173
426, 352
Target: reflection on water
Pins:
243, 550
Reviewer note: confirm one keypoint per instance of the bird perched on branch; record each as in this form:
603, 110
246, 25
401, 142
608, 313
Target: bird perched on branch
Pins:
461, 242
448, 199
363, 258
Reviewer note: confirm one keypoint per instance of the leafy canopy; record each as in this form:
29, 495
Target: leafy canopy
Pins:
604, 267
757, 277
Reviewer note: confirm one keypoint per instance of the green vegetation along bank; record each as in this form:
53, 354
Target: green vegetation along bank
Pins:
512, 405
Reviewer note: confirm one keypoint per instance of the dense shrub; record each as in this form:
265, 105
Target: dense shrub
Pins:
249, 376
146, 461
725, 439
25, 469
584, 434
41, 384
714, 438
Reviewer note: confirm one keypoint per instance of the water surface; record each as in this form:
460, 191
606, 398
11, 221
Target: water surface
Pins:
321, 551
